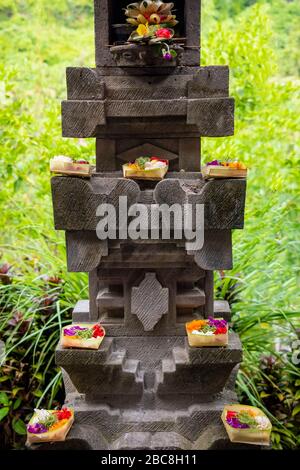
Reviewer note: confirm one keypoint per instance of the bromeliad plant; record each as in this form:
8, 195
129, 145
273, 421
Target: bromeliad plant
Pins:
153, 20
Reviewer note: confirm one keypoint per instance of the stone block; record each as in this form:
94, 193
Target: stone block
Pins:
224, 200
81, 118
84, 83
75, 200
84, 250
214, 117
209, 82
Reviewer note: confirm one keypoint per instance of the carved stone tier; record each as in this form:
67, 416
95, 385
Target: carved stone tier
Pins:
108, 106
75, 200
126, 113
163, 373
174, 394
120, 270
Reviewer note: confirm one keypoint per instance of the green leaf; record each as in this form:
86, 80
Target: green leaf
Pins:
296, 410
39, 376
264, 394
19, 427
297, 396
17, 403
4, 378
4, 400
15, 390
4, 412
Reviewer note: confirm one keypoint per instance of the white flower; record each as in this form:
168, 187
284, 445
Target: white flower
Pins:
196, 332
62, 159
262, 422
40, 415
154, 164
159, 164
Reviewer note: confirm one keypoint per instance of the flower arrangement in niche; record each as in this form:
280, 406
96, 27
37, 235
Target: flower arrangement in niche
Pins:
153, 20
49, 425
246, 424
148, 168
153, 12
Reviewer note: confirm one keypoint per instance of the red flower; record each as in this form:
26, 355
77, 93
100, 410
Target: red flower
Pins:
231, 414
164, 33
220, 330
98, 331
157, 159
64, 414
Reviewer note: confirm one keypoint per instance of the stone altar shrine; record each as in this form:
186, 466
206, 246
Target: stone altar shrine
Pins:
145, 387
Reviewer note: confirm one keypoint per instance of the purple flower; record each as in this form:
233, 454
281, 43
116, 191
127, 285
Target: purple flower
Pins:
235, 423
167, 56
36, 428
213, 163
73, 330
217, 323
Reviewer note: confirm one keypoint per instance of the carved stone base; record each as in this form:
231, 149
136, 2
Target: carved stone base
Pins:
101, 428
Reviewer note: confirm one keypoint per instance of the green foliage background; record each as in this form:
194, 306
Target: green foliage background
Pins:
260, 41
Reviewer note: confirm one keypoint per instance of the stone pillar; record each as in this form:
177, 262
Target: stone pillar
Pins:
145, 387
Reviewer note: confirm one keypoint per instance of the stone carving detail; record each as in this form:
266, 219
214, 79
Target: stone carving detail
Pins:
149, 301
132, 55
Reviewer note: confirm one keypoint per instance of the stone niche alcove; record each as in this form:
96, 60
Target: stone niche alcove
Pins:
109, 13
117, 17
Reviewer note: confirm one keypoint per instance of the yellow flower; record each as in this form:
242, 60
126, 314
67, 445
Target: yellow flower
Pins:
143, 30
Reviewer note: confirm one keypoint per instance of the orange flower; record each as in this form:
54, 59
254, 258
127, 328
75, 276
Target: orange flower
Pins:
195, 325
236, 165
133, 166
251, 412
58, 424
